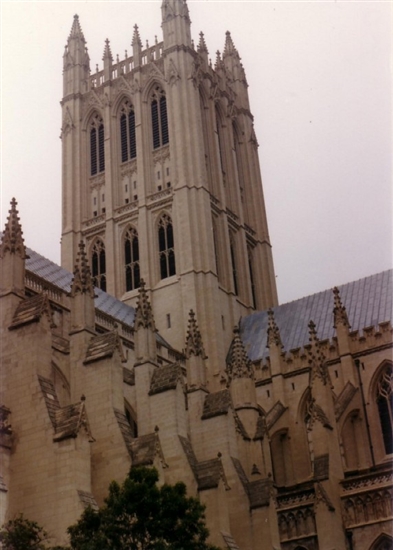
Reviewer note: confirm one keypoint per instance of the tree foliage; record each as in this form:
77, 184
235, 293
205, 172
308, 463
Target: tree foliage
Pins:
139, 515
22, 534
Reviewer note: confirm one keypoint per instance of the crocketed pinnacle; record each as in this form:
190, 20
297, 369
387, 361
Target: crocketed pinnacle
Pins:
316, 356
202, 44
76, 30
144, 313
229, 48
136, 39
13, 241
239, 365
218, 64
82, 281
107, 51
194, 344
339, 311
273, 332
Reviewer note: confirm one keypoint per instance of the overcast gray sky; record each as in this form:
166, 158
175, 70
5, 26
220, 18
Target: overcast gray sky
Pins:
319, 77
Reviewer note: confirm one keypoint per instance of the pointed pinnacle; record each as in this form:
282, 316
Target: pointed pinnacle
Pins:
229, 47
240, 364
194, 344
136, 39
218, 60
76, 30
13, 241
339, 311
273, 332
202, 44
82, 281
107, 51
316, 355
144, 313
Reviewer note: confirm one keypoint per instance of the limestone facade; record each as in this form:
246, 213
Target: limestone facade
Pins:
282, 425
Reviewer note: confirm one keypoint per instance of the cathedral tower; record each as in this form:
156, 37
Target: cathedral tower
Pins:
161, 181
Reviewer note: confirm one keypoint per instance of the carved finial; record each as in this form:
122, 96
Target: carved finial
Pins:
136, 39
255, 470
273, 332
218, 63
82, 281
229, 48
107, 55
316, 356
76, 29
239, 365
13, 241
194, 344
202, 44
144, 313
339, 311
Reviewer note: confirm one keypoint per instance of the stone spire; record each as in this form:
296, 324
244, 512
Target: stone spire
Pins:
229, 48
218, 63
202, 44
316, 356
76, 62
239, 365
136, 39
175, 23
144, 313
13, 241
82, 283
273, 332
194, 344
76, 30
339, 311
107, 55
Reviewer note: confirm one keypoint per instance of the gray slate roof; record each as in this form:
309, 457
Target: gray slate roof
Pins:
368, 302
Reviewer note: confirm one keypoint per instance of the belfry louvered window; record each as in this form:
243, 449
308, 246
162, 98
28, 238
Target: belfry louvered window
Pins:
131, 259
98, 265
97, 152
385, 407
166, 247
159, 119
127, 132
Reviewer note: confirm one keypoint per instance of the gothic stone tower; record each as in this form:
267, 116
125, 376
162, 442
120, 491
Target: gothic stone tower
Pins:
161, 180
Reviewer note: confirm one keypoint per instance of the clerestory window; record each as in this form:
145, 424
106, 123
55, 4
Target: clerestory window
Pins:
159, 119
166, 247
131, 259
97, 152
98, 265
127, 132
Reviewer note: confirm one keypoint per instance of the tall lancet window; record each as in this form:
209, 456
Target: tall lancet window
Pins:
97, 152
252, 280
159, 119
384, 399
127, 132
232, 244
98, 264
166, 247
131, 259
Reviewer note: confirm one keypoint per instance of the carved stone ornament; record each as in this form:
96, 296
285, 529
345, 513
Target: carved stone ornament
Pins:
172, 74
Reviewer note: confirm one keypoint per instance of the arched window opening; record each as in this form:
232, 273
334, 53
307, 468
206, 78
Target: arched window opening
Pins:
98, 265
127, 132
131, 418
166, 247
159, 119
384, 399
252, 280
131, 259
97, 151
383, 542
233, 262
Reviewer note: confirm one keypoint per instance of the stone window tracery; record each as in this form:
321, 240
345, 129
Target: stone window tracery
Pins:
127, 132
384, 400
166, 247
98, 264
159, 118
131, 259
97, 152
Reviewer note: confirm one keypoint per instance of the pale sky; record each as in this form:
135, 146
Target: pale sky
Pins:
320, 85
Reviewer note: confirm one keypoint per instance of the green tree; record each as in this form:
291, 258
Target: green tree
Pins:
22, 534
139, 515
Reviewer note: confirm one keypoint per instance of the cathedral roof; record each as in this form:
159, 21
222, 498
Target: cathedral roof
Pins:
368, 301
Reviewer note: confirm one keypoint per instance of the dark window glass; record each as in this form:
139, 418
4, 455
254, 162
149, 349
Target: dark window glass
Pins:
123, 138
234, 272
98, 265
166, 247
131, 128
131, 256
93, 151
101, 152
164, 121
385, 407
155, 125
254, 301
159, 119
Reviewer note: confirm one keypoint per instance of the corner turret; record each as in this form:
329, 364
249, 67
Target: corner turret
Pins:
176, 24
76, 61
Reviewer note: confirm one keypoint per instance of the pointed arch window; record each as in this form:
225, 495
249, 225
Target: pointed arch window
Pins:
384, 399
232, 245
131, 259
98, 264
127, 132
97, 150
252, 279
166, 247
159, 118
